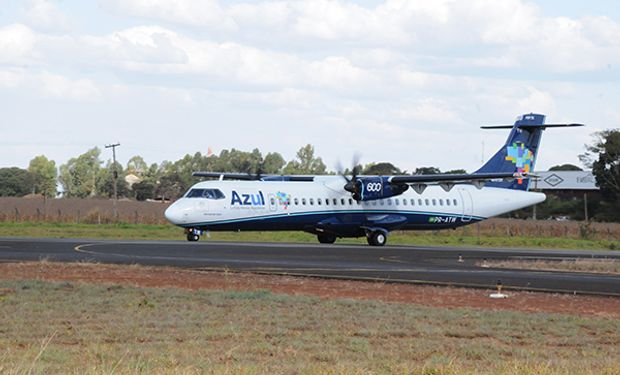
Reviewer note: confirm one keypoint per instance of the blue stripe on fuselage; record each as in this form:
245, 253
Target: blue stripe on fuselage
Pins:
300, 220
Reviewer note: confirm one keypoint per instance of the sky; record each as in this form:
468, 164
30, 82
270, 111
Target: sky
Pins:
404, 81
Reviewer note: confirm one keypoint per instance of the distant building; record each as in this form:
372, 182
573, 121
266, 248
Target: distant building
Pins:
132, 179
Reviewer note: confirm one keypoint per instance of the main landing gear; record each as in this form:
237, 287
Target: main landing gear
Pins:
326, 238
193, 235
376, 238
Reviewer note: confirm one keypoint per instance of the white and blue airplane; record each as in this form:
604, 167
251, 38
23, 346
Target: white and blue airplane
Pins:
332, 207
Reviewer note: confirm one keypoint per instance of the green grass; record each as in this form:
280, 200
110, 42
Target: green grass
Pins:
170, 232
51, 327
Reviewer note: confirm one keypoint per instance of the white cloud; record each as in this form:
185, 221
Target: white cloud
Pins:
190, 12
17, 44
61, 87
429, 110
381, 75
537, 101
44, 15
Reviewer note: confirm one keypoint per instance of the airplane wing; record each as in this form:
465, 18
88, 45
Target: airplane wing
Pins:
254, 177
454, 178
227, 176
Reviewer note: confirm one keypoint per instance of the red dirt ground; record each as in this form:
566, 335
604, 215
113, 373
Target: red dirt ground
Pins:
163, 277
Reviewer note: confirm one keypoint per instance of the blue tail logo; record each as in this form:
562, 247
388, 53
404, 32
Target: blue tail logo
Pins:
522, 157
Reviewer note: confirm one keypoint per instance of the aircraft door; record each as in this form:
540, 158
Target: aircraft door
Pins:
273, 204
468, 205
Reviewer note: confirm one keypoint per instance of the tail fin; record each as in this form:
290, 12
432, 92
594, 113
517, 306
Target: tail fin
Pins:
518, 155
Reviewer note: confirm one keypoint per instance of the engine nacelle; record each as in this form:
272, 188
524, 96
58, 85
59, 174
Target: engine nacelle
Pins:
372, 188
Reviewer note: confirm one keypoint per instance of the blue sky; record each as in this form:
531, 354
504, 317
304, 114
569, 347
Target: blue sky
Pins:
402, 81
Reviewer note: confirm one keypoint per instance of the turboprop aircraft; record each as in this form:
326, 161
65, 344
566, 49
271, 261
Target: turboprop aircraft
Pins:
332, 207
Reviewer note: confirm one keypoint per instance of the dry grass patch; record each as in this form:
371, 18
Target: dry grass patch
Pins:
608, 266
67, 327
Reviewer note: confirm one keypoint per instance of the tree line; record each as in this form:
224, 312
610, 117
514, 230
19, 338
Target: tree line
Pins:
87, 176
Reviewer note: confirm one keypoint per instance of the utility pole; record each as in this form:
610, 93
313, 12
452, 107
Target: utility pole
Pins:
114, 177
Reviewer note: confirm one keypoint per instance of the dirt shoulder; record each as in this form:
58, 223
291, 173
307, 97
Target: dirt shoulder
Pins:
167, 277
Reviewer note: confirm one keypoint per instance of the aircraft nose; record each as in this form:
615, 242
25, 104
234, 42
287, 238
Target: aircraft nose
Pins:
174, 214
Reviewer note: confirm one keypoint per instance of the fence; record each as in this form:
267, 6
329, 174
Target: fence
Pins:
86, 211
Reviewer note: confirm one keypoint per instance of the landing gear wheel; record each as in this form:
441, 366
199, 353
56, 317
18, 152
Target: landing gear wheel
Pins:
192, 237
377, 238
326, 238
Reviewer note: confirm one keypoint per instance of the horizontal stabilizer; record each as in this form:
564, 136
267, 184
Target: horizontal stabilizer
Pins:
530, 126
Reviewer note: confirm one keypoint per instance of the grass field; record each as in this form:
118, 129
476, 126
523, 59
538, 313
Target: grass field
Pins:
170, 232
608, 266
52, 327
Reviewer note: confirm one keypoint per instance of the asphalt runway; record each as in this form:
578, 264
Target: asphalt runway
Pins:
405, 264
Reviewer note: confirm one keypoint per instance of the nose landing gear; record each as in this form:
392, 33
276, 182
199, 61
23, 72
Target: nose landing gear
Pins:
193, 235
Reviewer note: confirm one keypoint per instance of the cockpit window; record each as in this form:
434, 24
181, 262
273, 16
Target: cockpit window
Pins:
205, 193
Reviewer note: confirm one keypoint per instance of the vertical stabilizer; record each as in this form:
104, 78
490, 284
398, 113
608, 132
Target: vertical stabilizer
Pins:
518, 154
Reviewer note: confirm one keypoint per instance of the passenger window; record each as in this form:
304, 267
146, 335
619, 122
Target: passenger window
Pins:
412, 202
426, 202
342, 201
389, 201
419, 202
434, 202
327, 201
303, 201
350, 202
382, 202
404, 202
447, 202
335, 202
455, 202
441, 202
374, 203
272, 201
312, 201
318, 201
296, 202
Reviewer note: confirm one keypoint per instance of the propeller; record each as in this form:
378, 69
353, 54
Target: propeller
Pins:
351, 182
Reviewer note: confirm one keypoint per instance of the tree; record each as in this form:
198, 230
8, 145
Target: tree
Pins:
305, 163
170, 186
104, 182
427, 170
78, 176
144, 190
44, 175
15, 182
381, 169
456, 171
565, 167
273, 163
137, 166
603, 156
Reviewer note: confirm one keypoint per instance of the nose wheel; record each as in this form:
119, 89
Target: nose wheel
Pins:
192, 237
